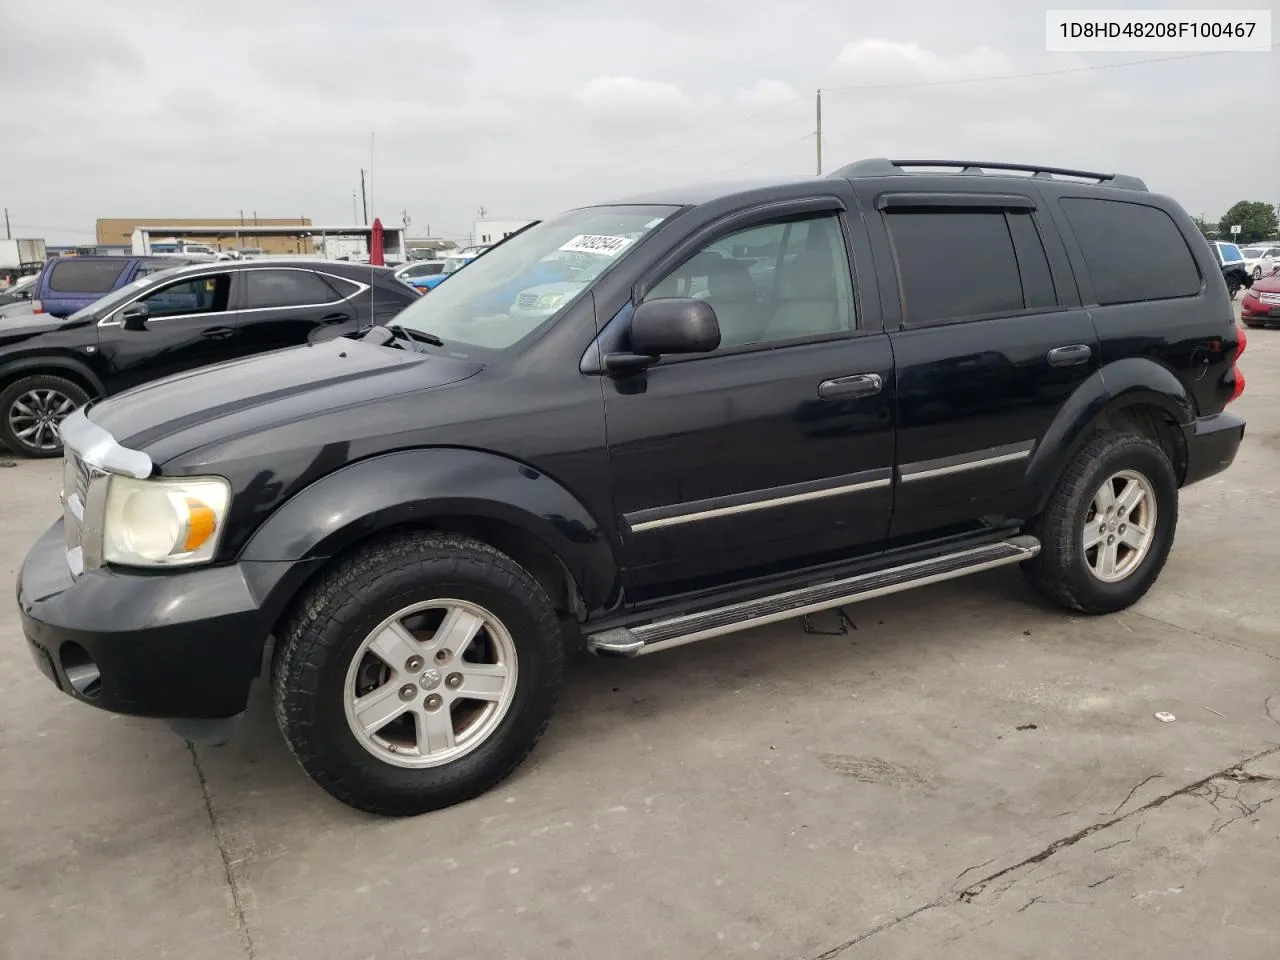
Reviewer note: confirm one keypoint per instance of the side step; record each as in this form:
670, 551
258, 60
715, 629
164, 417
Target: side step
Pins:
677, 631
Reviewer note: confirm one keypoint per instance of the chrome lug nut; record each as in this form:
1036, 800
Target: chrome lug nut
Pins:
434, 701
408, 692
453, 681
413, 664
1111, 539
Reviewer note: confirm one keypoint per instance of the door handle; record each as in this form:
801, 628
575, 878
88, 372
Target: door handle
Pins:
1069, 356
860, 385
218, 333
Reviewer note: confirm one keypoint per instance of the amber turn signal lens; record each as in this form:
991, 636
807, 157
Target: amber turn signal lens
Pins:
201, 521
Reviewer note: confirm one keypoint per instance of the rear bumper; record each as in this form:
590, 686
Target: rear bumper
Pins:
178, 644
1212, 443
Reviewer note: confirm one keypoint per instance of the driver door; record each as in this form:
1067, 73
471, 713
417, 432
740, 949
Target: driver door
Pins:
189, 325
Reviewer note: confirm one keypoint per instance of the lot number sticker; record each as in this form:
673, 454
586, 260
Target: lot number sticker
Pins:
598, 244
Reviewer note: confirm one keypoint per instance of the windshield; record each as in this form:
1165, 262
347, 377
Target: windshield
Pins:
1229, 252
482, 305
117, 297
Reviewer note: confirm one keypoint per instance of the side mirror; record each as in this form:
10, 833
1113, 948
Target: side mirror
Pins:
674, 325
134, 316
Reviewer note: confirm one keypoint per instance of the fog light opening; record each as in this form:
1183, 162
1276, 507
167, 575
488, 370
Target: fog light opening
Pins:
81, 670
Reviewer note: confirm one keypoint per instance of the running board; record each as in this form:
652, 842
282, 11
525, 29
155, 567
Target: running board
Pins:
677, 631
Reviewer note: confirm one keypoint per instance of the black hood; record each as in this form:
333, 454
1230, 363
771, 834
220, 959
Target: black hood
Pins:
19, 322
169, 417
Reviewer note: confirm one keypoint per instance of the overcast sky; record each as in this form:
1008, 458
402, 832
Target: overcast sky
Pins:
157, 109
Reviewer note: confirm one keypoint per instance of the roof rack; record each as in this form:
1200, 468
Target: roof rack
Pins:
882, 167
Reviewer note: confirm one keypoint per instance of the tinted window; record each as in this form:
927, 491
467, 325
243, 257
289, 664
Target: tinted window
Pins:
1229, 252
955, 263
779, 281
1133, 252
1033, 264
197, 295
74, 275
286, 288
344, 287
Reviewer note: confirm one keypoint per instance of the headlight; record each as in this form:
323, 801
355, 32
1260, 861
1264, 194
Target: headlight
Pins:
550, 300
149, 523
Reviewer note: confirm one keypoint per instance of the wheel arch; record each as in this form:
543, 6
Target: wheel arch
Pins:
55, 366
513, 507
1134, 394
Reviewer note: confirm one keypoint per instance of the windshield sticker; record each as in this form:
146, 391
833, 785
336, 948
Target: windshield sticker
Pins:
653, 223
598, 244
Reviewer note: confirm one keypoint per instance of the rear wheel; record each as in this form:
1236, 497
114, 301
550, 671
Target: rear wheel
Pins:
418, 673
31, 409
1109, 525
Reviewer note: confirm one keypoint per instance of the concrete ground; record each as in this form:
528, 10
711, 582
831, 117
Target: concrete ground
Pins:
963, 774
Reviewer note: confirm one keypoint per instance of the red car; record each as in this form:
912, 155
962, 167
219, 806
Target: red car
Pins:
1261, 304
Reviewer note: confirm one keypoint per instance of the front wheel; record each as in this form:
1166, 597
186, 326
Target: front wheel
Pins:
31, 408
1257, 273
1108, 527
418, 673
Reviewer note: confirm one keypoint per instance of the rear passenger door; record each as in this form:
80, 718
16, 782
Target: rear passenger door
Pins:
287, 306
989, 341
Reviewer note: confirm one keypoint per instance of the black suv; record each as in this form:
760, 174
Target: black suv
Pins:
170, 320
764, 402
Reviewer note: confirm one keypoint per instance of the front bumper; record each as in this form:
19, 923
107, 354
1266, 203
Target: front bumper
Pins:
1212, 443
174, 644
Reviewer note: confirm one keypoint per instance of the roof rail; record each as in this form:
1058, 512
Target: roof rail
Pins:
882, 167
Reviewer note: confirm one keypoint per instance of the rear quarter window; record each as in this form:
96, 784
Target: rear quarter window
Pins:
1134, 252
73, 275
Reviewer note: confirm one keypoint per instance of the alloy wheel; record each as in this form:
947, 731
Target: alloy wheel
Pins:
34, 417
431, 683
1120, 526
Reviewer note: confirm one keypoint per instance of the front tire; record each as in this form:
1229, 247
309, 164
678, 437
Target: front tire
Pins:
1257, 273
31, 408
1108, 527
418, 673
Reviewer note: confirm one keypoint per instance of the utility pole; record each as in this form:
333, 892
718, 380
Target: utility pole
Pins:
242, 218
8, 234
819, 137
364, 200
355, 211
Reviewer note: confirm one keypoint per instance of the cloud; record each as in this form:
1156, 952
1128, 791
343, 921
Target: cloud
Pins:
873, 60
631, 95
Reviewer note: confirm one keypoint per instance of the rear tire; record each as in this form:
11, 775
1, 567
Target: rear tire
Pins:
1095, 561
372, 639
31, 409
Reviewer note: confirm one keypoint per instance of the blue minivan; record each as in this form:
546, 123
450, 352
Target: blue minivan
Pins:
68, 284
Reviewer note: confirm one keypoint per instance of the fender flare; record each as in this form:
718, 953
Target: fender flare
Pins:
412, 487
1133, 381
52, 362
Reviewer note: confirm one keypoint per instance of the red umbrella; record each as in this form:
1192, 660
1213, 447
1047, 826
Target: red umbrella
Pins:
375, 245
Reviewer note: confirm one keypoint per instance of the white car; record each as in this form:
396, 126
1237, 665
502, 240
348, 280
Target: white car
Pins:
1261, 259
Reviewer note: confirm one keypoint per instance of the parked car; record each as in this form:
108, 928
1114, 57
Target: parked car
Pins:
68, 284
415, 273
171, 321
430, 516
20, 291
1261, 260
1234, 269
1260, 306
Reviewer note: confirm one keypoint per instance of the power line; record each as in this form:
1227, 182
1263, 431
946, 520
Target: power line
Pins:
767, 153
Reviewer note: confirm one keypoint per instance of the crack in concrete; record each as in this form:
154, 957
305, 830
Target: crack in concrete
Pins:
1204, 636
1103, 880
1137, 787
976, 889
242, 925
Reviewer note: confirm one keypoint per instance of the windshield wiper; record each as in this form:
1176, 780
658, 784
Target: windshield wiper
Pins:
407, 333
398, 331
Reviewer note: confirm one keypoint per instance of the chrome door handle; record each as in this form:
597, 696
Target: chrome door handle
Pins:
1071, 355
860, 385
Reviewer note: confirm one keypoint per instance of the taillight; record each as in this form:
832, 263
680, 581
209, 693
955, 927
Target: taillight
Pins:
37, 306
1237, 376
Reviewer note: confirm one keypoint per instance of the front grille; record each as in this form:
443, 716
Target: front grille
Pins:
527, 299
1269, 297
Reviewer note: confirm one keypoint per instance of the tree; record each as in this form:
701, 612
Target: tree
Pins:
1257, 221
1210, 230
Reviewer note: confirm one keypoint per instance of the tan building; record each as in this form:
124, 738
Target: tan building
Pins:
117, 232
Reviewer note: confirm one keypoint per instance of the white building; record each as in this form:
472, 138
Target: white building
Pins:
491, 231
